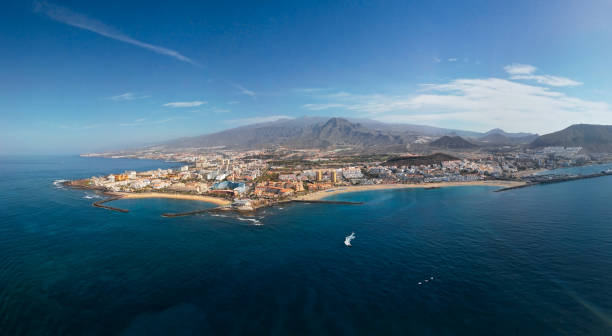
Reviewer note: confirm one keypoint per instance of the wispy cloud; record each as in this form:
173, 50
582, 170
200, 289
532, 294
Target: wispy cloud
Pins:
185, 104
437, 60
145, 122
137, 122
127, 96
245, 91
69, 17
78, 127
256, 120
520, 69
483, 103
163, 121
453, 59
319, 107
548, 80
309, 90
526, 72
233, 102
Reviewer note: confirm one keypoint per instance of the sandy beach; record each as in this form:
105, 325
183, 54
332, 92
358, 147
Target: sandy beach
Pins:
349, 189
209, 199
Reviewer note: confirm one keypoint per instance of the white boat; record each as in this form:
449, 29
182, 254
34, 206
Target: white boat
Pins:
347, 240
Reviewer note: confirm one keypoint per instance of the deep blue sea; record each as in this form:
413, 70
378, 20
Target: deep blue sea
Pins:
449, 261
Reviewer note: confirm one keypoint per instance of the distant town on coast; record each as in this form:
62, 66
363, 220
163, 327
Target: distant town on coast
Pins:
323, 157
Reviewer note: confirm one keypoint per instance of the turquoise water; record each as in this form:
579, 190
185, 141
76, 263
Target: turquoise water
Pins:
532, 261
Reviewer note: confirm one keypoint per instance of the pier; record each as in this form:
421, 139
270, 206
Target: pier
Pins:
548, 179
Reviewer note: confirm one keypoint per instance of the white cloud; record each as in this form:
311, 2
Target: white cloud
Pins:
256, 120
245, 91
319, 107
67, 16
78, 127
127, 96
137, 122
144, 122
526, 72
233, 102
520, 69
437, 60
452, 59
482, 103
163, 121
548, 80
185, 104
308, 90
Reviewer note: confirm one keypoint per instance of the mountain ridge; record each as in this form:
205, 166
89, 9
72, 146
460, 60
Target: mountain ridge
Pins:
323, 132
592, 138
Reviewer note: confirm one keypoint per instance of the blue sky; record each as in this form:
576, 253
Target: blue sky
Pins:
81, 76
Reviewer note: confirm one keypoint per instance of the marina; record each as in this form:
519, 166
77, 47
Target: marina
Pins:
548, 179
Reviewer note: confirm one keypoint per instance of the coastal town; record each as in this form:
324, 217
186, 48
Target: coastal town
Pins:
247, 180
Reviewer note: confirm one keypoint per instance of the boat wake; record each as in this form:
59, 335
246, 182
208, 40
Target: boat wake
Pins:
349, 238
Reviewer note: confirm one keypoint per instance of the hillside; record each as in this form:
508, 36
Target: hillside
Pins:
593, 138
499, 137
452, 142
419, 160
298, 133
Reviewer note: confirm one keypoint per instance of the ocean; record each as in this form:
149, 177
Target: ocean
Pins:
449, 261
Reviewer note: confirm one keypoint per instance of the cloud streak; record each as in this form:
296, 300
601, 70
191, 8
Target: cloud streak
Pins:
144, 122
185, 104
127, 96
245, 91
71, 18
256, 120
520, 69
526, 72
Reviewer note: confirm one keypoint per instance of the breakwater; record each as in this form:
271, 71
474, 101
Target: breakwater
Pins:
100, 204
547, 179
194, 212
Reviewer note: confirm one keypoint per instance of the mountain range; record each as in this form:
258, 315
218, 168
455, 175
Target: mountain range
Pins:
321, 132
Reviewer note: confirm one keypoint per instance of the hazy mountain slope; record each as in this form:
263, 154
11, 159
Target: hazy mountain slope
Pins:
299, 133
499, 137
414, 129
593, 138
322, 132
452, 142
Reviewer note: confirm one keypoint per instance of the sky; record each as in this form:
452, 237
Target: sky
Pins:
83, 76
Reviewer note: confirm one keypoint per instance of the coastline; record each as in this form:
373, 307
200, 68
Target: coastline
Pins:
318, 195
201, 198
